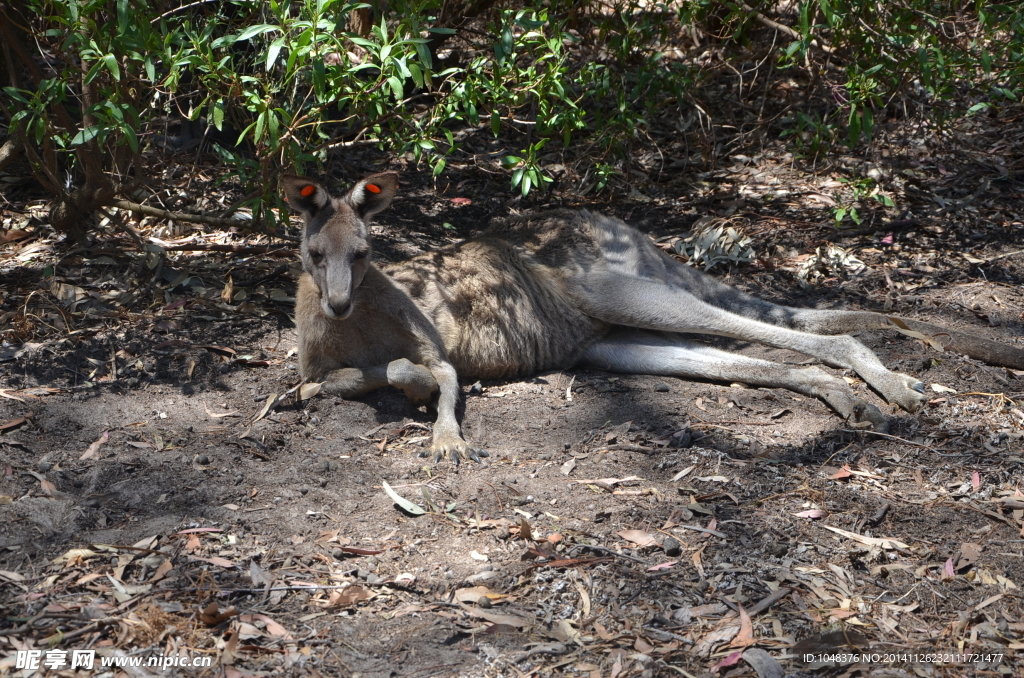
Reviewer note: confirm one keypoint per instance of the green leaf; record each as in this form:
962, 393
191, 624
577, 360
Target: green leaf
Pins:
110, 61
274, 51
402, 502
122, 16
510, 161
527, 182
978, 107
439, 166
15, 94
86, 135
253, 31
129, 134
218, 115
496, 124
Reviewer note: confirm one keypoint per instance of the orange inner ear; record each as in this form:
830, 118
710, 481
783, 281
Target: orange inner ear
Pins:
373, 188
308, 190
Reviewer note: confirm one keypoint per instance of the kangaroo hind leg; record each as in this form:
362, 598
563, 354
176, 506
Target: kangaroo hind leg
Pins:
415, 381
653, 305
671, 355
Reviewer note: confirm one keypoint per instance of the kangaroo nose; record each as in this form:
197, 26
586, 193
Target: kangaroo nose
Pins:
341, 309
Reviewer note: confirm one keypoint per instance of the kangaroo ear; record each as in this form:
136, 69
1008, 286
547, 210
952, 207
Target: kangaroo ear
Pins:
305, 195
373, 194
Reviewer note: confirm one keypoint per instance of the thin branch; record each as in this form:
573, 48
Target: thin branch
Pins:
120, 223
179, 216
782, 28
179, 9
271, 250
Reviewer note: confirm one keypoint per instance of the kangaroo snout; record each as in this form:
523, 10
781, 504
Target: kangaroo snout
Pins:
337, 307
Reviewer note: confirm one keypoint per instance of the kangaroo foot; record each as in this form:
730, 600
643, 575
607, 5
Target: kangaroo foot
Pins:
456, 448
905, 391
415, 381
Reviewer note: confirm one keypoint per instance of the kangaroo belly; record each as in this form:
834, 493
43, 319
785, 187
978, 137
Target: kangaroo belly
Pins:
499, 314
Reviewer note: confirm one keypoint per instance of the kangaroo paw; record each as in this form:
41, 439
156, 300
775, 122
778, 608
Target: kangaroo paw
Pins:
456, 449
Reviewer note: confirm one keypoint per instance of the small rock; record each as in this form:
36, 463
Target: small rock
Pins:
672, 547
661, 387
476, 389
484, 602
304, 490
203, 460
683, 438
502, 533
362, 574
338, 554
323, 482
481, 577
485, 567
374, 579
44, 466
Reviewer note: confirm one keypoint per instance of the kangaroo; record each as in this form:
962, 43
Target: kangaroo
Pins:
551, 291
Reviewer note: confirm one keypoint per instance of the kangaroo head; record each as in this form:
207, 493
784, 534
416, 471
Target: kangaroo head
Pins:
336, 241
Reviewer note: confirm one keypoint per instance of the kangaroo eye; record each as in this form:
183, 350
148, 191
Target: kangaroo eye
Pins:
316, 257
360, 255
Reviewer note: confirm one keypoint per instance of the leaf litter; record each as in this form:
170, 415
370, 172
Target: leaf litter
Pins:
780, 543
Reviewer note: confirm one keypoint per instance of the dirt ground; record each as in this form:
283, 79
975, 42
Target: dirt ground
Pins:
152, 503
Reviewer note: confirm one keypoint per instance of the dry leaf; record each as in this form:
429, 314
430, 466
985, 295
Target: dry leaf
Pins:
497, 618
471, 595
638, 537
219, 415
902, 328
215, 560
266, 407
273, 628
161, 571
307, 391
91, 451
882, 542
746, 635
349, 596
212, 614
